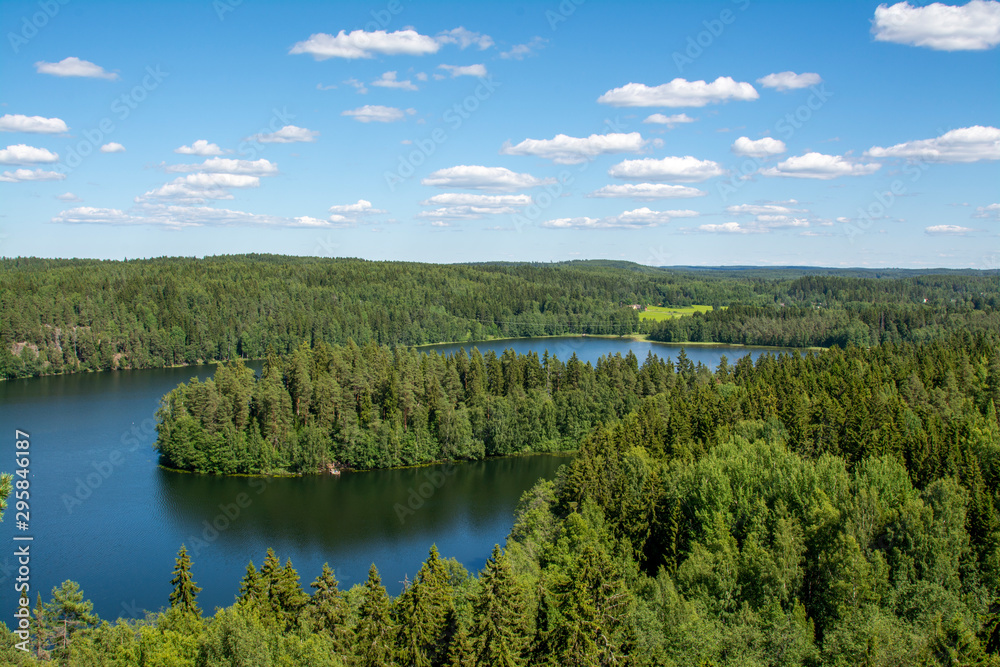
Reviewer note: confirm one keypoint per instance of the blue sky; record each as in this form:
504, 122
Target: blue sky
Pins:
731, 132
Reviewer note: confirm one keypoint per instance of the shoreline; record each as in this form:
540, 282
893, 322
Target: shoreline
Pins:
565, 453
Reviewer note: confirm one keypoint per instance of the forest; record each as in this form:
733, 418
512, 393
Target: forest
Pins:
833, 508
67, 315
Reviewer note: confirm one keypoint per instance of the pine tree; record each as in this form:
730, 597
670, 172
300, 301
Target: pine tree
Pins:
497, 634
185, 589
375, 646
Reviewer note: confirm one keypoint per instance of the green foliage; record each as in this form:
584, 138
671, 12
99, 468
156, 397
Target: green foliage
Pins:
185, 589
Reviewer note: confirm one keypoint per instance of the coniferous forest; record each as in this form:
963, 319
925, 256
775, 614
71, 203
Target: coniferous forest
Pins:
822, 507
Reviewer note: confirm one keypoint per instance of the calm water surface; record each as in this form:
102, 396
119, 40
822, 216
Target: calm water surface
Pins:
104, 514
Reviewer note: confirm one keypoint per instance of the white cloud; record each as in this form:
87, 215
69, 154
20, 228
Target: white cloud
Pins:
22, 175
636, 219
374, 113
967, 144
789, 80
464, 70
362, 44
461, 206
576, 150
357, 85
669, 121
68, 196
197, 188
112, 147
760, 148
954, 230
83, 215
178, 217
24, 154
991, 211
73, 66
476, 177
762, 210
465, 38
647, 191
974, 26
199, 147
390, 80
479, 201
684, 169
522, 51
679, 93
33, 124
218, 165
819, 166
362, 206
728, 228
287, 135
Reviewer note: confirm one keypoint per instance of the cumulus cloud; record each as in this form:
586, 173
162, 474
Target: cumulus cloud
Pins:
669, 121
171, 216
728, 228
679, 93
197, 188
819, 166
953, 230
465, 38
362, 44
967, 144
765, 147
647, 191
218, 165
639, 218
346, 215
789, 80
73, 66
991, 212
685, 169
199, 147
476, 177
24, 154
564, 149
287, 135
464, 70
391, 80
112, 147
23, 175
762, 210
375, 113
33, 124
68, 196
522, 51
974, 26
461, 206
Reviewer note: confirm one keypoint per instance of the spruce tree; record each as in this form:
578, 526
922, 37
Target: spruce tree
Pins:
185, 589
497, 632
374, 645
421, 613
328, 611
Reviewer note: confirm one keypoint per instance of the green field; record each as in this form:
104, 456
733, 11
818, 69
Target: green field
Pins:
660, 313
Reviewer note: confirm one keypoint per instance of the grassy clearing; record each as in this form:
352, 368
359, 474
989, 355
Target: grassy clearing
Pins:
660, 313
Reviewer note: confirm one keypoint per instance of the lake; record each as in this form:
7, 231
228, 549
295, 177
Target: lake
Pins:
105, 515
